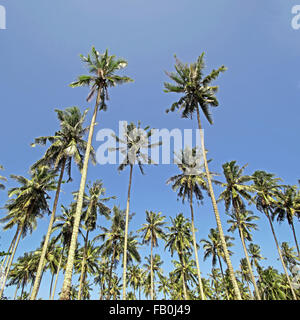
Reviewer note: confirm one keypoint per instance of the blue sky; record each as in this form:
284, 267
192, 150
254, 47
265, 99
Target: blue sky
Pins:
256, 122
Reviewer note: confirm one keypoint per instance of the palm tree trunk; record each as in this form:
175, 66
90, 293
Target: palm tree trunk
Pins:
280, 255
65, 292
195, 247
110, 272
217, 215
223, 277
9, 249
184, 288
17, 288
10, 262
250, 293
151, 271
39, 272
57, 273
51, 285
83, 265
295, 238
126, 234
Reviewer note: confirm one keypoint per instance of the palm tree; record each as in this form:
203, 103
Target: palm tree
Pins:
255, 255
152, 231
2, 186
103, 75
135, 275
289, 257
245, 274
164, 286
266, 187
179, 239
29, 204
199, 93
213, 247
216, 283
66, 144
93, 205
131, 147
241, 220
287, 206
190, 183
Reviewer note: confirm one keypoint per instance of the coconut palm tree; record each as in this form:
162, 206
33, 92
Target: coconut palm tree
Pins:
190, 183
30, 203
255, 256
245, 275
289, 256
197, 92
235, 191
164, 286
102, 68
66, 144
135, 276
216, 283
2, 186
131, 147
93, 205
179, 239
287, 207
152, 231
266, 188
213, 247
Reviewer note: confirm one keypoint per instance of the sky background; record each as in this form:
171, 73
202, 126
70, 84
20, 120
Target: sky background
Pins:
257, 121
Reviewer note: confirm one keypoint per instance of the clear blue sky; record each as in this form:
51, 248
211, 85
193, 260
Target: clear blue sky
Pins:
257, 121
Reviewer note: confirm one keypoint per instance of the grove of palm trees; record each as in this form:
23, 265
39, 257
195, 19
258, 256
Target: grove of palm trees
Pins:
73, 228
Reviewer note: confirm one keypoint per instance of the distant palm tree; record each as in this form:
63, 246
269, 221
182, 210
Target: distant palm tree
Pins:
198, 93
266, 187
255, 255
136, 139
30, 203
135, 276
66, 144
152, 231
289, 256
164, 286
287, 207
103, 70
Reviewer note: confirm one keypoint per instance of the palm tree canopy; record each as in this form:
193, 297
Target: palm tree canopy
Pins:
195, 87
102, 69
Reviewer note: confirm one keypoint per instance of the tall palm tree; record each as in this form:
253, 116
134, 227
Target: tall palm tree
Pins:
152, 231
255, 255
66, 144
190, 183
266, 187
287, 207
235, 191
135, 140
216, 283
93, 204
245, 275
179, 239
213, 247
30, 202
198, 93
135, 275
2, 186
164, 286
103, 68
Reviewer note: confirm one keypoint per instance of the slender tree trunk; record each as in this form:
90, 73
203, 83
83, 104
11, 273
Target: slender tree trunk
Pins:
251, 296
223, 277
39, 272
6, 258
295, 238
83, 265
23, 285
184, 288
15, 296
280, 255
195, 247
65, 292
51, 285
110, 272
57, 273
217, 215
151, 271
126, 234
10, 262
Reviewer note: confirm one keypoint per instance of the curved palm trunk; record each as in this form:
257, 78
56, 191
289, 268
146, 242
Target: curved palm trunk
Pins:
10, 262
280, 255
39, 272
195, 247
223, 277
110, 272
151, 272
217, 215
6, 258
51, 285
183, 279
57, 272
65, 292
295, 238
83, 266
126, 235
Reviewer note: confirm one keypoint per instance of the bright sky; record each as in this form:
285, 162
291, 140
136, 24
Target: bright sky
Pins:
257, 121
